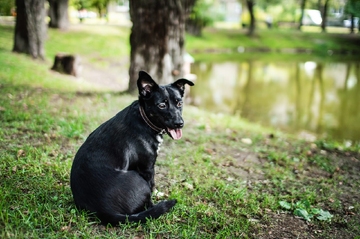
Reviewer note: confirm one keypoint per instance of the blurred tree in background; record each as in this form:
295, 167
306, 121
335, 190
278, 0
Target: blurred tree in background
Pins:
58, 13
203, 14
157, 39
352, 8
30, 28
80, 4
302, 9
250, 5
101, 7
262, 4
323, 7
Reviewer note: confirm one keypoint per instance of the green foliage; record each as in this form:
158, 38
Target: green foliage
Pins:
304, 210
353, 7
6, 6
80, 4
265, 4
229, 41
99, 5
203, 14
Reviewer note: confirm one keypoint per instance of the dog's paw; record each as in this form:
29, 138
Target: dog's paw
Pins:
171, 203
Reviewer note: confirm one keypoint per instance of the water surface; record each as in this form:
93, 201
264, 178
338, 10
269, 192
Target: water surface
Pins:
308, 98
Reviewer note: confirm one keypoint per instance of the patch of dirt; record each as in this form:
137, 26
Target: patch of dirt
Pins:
246, 165
284, 225
347, 192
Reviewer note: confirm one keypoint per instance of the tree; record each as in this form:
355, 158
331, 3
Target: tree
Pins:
250, 5
58, 13
30, 28
157, 39
203, 14
302, 7
264, 4
352, 8
101, 6
323, 6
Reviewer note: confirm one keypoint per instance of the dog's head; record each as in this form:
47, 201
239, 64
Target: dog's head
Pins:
163, 103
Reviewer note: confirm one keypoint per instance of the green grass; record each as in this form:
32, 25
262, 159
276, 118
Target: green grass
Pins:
226, 186
114, 42
275, 40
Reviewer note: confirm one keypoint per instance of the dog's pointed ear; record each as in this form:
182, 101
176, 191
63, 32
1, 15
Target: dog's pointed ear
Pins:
180, 84
146, 84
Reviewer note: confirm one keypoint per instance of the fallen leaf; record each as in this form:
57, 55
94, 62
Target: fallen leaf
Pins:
285, 205
324, 215
20, 153
188, 186
246, 140
65, 228
230, 179
159, 194
302, 213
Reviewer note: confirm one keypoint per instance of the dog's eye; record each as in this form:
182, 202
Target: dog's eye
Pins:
179, 103
162, 105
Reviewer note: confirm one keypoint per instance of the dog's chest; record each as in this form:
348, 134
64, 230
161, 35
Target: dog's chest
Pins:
159, 139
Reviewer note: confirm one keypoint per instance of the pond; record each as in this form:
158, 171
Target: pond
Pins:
312, 99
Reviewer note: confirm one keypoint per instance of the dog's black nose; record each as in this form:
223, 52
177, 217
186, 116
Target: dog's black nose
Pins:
179, 125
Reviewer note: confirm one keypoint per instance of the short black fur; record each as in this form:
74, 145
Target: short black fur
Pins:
113, 171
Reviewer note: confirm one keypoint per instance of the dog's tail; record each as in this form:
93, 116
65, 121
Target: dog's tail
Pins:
153, 212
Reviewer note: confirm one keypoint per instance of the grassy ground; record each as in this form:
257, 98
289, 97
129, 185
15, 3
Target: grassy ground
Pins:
232, 179
276, 43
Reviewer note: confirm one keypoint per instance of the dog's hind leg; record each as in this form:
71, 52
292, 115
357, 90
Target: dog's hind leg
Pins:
128, 198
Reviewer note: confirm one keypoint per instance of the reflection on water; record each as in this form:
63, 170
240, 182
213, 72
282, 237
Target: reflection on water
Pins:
319, 98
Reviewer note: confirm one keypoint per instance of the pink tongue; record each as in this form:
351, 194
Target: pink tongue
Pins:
175, 133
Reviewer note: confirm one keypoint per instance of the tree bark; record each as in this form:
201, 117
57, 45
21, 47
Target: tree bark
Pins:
250, 5
58, 13
157, 39
30, 28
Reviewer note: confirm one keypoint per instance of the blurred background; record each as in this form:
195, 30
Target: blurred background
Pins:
293, 65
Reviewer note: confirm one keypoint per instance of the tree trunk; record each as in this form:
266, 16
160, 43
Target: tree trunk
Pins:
30, 28
58, 13
67, 64
157, 39
324, 9
352, 23
250, 4
303, 3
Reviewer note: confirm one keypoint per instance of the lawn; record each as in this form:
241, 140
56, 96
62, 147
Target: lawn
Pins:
232, 178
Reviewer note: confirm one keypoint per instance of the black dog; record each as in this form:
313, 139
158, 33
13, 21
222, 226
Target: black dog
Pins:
113, 172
